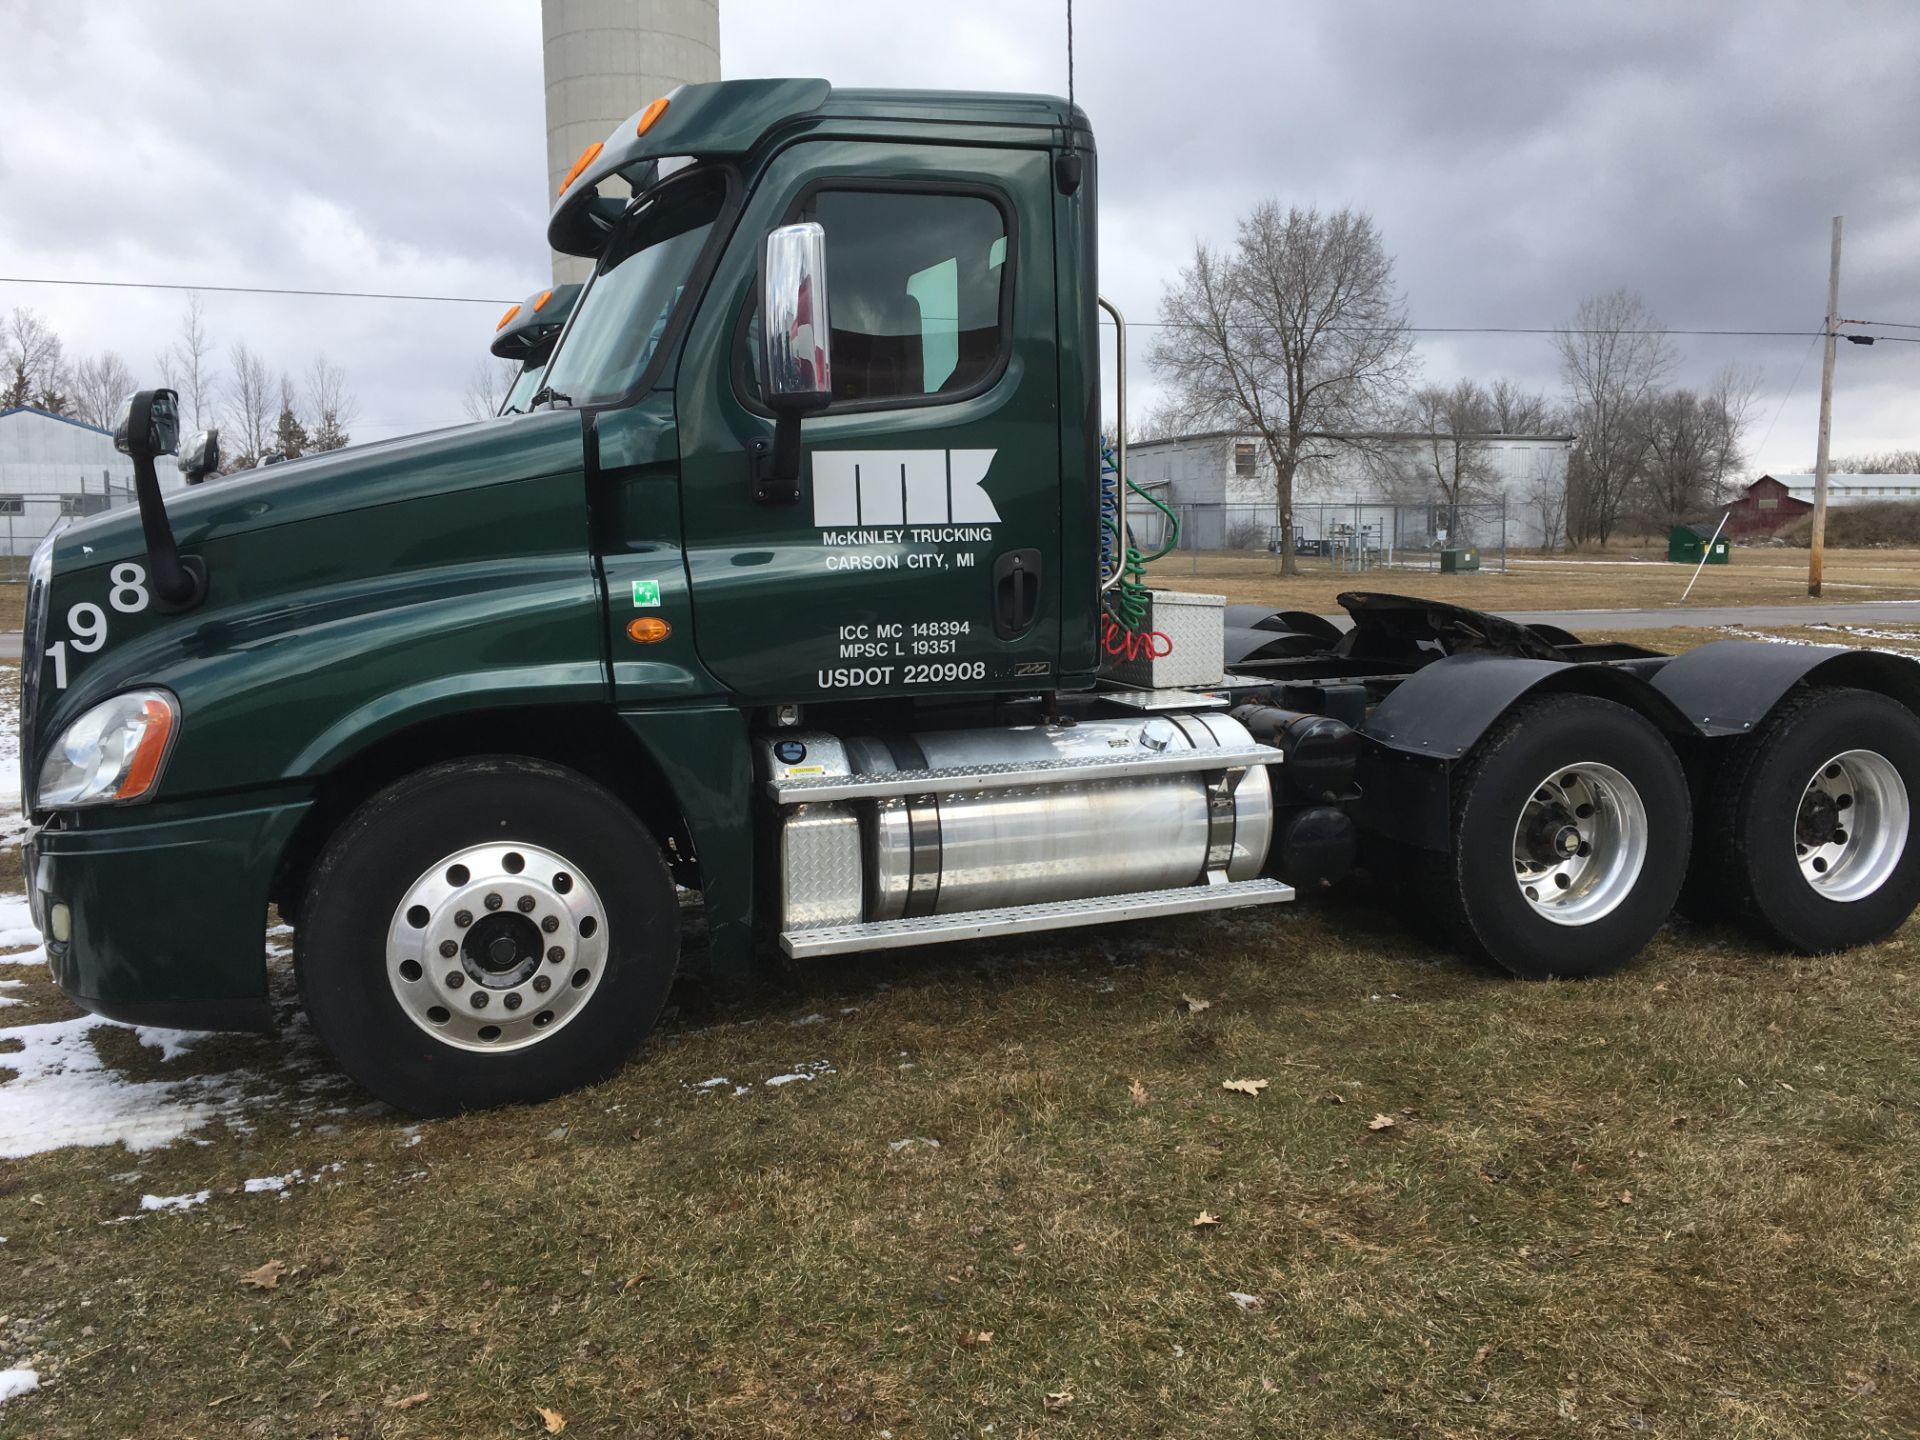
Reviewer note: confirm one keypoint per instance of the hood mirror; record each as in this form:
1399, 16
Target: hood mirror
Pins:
201, 458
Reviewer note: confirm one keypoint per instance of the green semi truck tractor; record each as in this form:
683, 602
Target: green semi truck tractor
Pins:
526, 334
801, 583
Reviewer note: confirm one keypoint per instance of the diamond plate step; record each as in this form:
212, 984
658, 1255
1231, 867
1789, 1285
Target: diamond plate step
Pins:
1017, 774
1054, 915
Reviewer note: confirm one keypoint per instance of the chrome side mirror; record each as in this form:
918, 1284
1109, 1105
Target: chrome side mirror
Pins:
201, 458
793, 318
149, 424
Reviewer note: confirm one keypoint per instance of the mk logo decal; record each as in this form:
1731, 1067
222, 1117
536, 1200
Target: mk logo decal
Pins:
901, 487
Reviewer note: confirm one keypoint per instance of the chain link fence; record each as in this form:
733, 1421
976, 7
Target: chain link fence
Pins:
1347, 535
26, 518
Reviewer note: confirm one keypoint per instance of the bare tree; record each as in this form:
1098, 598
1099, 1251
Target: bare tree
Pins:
1546, 496
331, 406
101, 386
1693, 445
1454, 459
487, 386
1613, 355
1296, 334
34, 363
1884, 462
1515, 411
250, 407
188, 366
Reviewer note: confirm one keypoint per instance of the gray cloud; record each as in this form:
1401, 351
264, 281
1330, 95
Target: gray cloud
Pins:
1517, 156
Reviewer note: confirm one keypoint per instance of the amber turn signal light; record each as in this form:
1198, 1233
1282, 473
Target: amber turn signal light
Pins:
647, 116
507, 319
541, 303
586, 158
648, 630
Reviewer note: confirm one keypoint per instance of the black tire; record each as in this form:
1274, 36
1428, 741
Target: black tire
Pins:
369, 868
1747, 865
1474, 893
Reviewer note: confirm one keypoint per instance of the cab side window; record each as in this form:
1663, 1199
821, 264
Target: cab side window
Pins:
916, 285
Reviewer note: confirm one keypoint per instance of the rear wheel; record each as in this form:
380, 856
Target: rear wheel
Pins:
1570, 830
1808, 832
486, 932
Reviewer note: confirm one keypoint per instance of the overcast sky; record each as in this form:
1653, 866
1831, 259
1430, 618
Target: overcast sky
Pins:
1516, 157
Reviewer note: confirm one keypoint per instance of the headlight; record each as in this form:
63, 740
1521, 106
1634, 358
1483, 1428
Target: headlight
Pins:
111, 754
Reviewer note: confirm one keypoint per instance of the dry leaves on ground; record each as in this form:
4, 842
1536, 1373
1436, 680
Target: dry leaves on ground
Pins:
969, 1339
1245, 1087
267, 1277
1205, 1218
407, 1402
552, 1419
1059, 1399
1138, 1092
1382, 1122
1196, 1003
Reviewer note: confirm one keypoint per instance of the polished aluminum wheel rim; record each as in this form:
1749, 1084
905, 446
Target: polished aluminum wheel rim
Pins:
1851, 829
1580, 843
497, 947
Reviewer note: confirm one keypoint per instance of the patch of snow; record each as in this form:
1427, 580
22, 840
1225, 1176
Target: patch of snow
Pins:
171, 1044
14, 1383
175, 1202
1244, 1300
814, 1019
896, 1146
741, 1089
35, 956
716, 1081
63, 1094
265, 1183
810, 1070
11, 985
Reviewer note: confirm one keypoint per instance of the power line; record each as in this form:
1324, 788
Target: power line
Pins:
1132, 324
253, 290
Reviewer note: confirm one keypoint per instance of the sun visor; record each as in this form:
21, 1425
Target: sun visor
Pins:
728, 117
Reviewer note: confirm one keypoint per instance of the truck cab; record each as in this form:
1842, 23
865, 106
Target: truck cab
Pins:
785, 585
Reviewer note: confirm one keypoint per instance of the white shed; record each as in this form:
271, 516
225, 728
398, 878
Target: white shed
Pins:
53, 465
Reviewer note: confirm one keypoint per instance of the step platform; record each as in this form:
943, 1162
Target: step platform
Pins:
1015, 919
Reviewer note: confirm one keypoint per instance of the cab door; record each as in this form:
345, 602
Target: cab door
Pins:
920, 556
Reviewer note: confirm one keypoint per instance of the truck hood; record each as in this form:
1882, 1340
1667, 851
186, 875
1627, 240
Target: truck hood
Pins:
516, 447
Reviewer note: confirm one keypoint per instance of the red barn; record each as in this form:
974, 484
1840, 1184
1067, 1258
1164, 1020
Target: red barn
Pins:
1764, 507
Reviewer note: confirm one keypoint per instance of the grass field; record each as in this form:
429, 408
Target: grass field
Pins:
1613, 579
956, 1193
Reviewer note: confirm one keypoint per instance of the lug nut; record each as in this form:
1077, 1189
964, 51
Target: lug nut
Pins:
448, 949
512, 1002
455, 980
463, 919
479, 999
493, 902
556, 955
542, 984
550, 924
525, 903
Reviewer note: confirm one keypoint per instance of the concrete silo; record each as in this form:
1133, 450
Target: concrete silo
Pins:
605, 59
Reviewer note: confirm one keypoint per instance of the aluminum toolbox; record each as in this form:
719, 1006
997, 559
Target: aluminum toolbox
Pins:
1196, 630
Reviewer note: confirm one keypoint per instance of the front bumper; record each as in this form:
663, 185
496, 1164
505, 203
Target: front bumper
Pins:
167, 911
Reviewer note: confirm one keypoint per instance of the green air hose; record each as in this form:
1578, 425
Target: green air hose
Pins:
1128, 601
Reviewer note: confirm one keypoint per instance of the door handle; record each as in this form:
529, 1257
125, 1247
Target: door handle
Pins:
1016, 592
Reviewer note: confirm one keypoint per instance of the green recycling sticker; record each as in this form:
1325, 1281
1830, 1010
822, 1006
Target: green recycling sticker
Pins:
646, 594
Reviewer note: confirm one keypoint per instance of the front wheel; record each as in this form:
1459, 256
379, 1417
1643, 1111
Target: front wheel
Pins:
1570, 831
1809, 828
486, 932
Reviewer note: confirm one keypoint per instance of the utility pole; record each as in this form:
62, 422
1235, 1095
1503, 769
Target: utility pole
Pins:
1817, 556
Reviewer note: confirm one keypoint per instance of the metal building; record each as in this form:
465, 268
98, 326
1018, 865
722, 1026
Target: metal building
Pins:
53, 466
605, 59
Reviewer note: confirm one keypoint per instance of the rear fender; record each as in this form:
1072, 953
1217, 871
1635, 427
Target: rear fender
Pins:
1730, 686
1439, 713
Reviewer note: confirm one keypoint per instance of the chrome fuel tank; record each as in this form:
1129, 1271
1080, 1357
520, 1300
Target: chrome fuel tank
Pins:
955, 851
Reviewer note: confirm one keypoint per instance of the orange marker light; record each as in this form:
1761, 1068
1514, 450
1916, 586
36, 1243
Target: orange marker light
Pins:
586, 158
541, 303
647, 116
148, 751
648, 630
507, 319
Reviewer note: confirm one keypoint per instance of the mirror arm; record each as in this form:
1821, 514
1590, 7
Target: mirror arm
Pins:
178, 584
775, 463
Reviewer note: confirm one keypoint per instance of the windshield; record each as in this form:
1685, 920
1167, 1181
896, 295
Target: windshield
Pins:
612, 336
525, 385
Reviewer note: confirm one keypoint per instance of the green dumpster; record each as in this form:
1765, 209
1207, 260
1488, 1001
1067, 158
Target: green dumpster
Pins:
1459, 562
1690, 544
